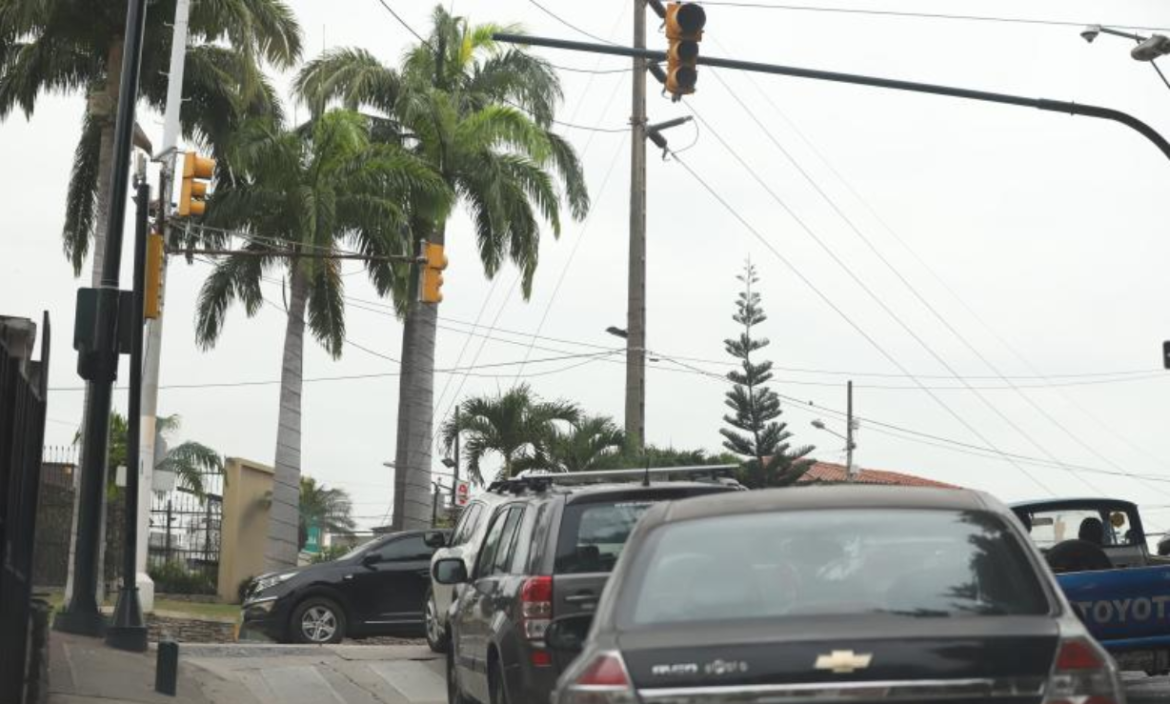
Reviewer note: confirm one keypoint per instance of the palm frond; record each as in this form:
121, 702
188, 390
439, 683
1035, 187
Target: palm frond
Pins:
353, 76
81, 205
234, 277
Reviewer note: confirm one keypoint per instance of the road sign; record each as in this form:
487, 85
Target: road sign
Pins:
462, 492
313, 539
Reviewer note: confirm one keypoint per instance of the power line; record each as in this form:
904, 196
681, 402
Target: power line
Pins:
568, 24
919, 15
877, 299
917, 294
950, 290
827, 301
594, 71
939, 441
403, 22
589, 128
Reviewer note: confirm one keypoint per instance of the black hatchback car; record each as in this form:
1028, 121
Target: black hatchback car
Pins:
843, 594
548, 553
378, 588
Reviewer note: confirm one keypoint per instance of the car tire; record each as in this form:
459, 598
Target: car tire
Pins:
317, 620
436, 631
498, 692
454, 689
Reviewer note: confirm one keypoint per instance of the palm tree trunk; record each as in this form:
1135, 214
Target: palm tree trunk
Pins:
416, 393
282, 547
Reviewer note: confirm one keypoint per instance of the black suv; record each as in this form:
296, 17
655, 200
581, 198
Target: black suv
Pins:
378, 588
548, 553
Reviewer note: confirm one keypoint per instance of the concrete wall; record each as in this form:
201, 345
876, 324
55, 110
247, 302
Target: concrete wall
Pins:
247, 490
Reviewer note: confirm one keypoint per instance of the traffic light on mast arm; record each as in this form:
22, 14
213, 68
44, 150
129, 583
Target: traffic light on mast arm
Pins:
197, 172
684, 31
432, 273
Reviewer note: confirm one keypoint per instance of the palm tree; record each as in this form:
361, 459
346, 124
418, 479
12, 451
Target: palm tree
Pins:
480, 115
330, 509
513, 425
189, 461
73, 46
585, 446
301, 195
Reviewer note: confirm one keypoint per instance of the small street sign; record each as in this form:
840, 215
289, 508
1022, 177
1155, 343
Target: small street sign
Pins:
462, 492
313, 540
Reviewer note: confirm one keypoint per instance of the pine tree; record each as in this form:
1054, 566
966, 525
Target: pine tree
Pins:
755, 432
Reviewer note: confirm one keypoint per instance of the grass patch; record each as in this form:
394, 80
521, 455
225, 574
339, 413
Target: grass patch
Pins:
189, 609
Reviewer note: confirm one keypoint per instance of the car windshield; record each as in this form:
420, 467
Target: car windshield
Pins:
923, 563
593, 534
1114, 528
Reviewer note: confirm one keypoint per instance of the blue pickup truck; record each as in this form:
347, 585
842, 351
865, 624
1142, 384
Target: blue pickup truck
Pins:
1124, 597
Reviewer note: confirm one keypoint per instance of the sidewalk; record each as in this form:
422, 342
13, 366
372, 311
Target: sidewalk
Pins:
87, 671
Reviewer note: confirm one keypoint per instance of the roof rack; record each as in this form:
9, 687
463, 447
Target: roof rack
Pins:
542, 479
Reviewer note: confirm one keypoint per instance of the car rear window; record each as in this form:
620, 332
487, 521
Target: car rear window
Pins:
921, 563
593, 534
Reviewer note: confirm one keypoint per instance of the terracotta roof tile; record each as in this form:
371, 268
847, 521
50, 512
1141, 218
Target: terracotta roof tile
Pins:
832, 473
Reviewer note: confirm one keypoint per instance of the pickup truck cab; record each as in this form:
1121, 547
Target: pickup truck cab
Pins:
1124, 600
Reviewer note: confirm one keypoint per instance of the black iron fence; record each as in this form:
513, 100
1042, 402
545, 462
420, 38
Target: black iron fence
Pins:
23, 385
184, 538
55, 516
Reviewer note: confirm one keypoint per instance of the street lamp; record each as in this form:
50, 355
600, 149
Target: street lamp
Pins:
1148, 48
618, 332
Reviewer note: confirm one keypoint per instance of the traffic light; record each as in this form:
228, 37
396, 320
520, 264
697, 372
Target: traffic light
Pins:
684, 31
152, 286
197, 171
432, 274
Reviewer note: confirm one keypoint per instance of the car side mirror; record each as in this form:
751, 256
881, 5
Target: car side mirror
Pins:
450, 571
371, 558
567, 634
435, 539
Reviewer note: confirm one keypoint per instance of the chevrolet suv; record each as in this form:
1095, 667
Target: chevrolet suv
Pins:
548, 551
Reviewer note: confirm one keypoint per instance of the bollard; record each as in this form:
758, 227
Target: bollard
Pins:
166, 669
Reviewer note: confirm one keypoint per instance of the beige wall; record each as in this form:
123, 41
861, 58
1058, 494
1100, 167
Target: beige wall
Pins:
245, 524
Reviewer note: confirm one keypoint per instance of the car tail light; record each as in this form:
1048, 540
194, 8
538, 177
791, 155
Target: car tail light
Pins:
536, 606
603, 681
1082, 674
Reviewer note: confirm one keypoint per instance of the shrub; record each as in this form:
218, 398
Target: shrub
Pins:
174, 578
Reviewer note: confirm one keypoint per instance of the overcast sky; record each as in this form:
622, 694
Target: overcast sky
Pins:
1038, 238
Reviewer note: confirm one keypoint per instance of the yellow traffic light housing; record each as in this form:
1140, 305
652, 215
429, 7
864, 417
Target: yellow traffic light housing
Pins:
152, 287
432, 274
684, 31
197, 171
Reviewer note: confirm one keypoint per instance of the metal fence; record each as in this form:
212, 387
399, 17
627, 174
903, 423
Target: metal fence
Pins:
55, 516
23, 389
184, 538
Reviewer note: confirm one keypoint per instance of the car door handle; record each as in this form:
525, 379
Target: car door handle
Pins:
581, 597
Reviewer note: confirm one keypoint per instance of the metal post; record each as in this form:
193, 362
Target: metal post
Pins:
1061, 106
153, 351
636, 303
207, 535
435, 504
849, 472
455, 469
167, 543
128, 630
82, 615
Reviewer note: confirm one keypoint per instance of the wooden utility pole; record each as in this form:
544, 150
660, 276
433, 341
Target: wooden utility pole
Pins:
850, 473
636, 306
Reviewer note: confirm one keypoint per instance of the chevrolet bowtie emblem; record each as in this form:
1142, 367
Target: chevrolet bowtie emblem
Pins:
842, 662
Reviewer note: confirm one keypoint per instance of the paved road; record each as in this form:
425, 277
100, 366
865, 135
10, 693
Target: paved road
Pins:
345, 674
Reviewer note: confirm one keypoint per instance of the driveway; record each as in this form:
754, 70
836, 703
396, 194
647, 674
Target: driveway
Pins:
345, 674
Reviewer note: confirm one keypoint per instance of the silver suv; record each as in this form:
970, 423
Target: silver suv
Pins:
464, 544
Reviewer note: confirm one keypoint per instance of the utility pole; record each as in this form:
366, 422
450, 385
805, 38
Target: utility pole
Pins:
152, 353
850, 472
98, 359
636, 304
128, 629
455, 466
